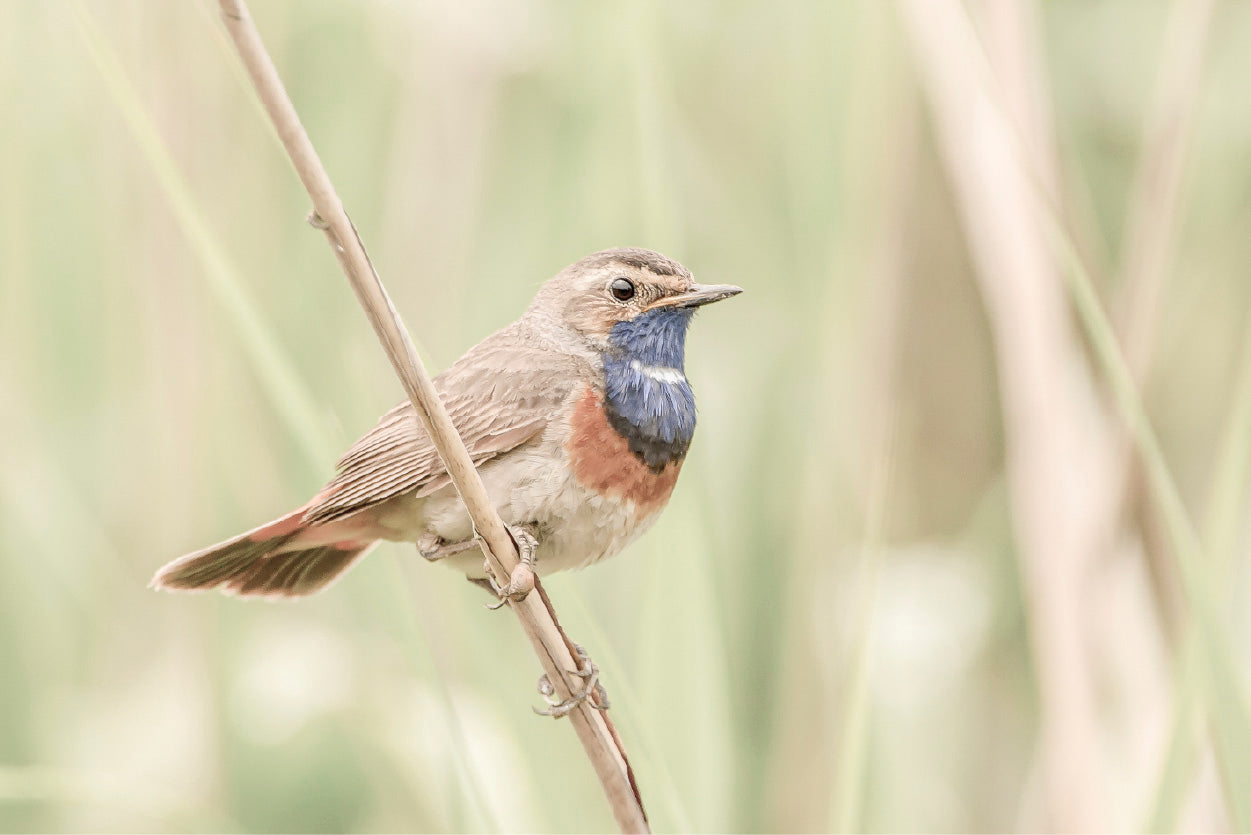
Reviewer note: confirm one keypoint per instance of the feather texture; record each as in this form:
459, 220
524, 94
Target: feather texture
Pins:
500, 395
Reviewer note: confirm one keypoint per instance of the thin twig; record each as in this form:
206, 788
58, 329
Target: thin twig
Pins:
538, 620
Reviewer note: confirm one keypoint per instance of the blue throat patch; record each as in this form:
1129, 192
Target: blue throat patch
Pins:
647, 398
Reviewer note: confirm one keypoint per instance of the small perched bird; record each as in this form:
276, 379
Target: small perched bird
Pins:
577, 415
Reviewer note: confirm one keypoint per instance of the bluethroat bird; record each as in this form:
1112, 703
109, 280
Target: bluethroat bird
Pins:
578, 416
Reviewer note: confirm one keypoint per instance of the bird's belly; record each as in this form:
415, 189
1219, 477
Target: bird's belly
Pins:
584, 526
579, 523
610, 496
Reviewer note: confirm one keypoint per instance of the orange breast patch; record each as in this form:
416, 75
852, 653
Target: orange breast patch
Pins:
602, 460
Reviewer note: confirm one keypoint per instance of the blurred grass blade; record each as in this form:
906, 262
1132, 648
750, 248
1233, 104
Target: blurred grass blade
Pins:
1151, 227
1224, 693
1222, 523
1233, 471
1181, 757
1221, 688
1229, 718
851, 761
288, 395
643, 747
1047, 460
1231, 735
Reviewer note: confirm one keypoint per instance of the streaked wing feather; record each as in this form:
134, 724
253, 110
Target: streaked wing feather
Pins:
499, 395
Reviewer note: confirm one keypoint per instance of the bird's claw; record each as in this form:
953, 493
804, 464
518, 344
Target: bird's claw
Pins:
592, 693
521, 581
433, 548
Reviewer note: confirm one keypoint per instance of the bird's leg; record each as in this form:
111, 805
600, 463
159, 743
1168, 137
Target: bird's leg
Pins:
433, 547
521, 581
593, 692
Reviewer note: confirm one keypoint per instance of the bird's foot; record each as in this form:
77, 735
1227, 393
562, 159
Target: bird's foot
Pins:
433, 547
521, 581
592, 692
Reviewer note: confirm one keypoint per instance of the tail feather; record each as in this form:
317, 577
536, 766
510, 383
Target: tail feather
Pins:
266, 562
296, 573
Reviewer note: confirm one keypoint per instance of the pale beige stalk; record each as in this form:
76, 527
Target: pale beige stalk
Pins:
1151, 223
1149, 242
1057, 466
539, 622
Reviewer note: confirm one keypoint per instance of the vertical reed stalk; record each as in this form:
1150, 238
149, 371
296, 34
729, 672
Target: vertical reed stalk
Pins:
538, 620
1054, 468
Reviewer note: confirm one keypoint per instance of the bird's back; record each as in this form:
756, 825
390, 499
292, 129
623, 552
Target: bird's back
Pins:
503, 393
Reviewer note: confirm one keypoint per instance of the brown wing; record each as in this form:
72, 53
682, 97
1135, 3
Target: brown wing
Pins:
499, 395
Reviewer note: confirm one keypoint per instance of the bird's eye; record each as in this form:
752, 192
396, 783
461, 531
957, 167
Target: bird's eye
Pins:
622, 289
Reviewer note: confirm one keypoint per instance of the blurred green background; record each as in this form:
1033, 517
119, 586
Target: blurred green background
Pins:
870, 604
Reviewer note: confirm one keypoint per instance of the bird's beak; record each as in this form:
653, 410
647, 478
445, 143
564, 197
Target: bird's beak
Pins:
699, 294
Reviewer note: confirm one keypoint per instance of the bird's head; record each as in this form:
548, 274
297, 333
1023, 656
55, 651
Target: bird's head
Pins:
631, 302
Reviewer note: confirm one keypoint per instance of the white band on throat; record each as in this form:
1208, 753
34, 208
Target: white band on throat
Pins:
659, 373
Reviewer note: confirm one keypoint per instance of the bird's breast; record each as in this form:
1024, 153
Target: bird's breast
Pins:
603, 462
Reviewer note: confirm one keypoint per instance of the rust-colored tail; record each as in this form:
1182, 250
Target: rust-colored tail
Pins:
285, 558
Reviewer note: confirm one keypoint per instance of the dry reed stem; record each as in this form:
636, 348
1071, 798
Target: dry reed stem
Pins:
1148, 245
1126, 656
1150, 226
1055, 467
538, 621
